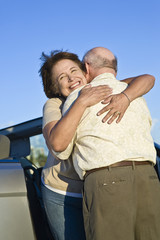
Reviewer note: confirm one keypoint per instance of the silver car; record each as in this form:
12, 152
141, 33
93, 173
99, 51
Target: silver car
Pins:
21, 206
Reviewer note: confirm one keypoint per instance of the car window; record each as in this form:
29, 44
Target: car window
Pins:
39, 151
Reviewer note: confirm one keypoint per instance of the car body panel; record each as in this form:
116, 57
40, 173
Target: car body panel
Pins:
15, 221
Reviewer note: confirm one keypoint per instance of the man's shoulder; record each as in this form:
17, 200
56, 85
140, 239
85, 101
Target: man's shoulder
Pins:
74, 94
70, 99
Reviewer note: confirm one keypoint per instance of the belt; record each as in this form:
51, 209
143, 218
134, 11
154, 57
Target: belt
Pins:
119, 164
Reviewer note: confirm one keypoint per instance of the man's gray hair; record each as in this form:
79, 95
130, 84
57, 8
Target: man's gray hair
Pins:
97, 61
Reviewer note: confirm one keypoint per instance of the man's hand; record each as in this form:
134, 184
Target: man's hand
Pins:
117, 105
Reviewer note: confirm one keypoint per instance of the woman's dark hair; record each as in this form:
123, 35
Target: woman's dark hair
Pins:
50, 86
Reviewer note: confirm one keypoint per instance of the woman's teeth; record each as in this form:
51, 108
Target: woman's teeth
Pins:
74, 85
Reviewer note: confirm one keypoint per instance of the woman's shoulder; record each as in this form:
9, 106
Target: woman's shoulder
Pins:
53, 101
52, 110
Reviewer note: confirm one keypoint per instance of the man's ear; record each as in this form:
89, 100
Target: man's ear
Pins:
87, 72
87, 67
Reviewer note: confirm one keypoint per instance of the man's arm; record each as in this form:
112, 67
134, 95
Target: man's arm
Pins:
118, 103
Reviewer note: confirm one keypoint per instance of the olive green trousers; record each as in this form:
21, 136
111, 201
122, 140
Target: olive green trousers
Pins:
122, 203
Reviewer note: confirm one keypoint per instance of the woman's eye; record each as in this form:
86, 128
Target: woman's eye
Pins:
73, 70
62, 77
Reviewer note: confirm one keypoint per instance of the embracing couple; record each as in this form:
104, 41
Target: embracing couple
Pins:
97, 130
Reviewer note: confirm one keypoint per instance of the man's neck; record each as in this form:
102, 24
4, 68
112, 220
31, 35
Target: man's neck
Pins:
104, 70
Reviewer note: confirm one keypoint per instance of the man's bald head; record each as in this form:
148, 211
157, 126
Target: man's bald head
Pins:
101, 59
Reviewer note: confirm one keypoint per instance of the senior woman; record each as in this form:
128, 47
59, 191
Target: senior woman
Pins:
63, 72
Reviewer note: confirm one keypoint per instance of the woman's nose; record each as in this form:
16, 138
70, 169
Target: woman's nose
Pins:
70, 78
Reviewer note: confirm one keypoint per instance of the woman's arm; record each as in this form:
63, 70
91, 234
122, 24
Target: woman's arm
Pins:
118, 103
139, 85
58, 134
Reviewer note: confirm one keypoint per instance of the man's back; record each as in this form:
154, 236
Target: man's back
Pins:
99, 144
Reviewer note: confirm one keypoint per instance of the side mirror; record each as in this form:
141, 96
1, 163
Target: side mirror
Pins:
4, 147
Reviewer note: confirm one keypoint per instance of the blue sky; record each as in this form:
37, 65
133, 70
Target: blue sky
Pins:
131, 29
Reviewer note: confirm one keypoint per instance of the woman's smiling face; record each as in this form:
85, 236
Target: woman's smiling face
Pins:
68, 75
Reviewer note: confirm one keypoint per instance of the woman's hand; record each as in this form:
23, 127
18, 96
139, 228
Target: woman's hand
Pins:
90, 96
117, 105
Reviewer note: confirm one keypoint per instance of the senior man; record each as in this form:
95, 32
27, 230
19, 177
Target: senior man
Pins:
121, 188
